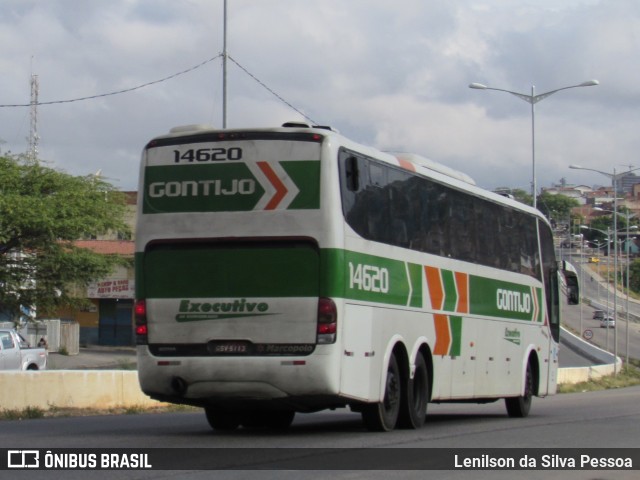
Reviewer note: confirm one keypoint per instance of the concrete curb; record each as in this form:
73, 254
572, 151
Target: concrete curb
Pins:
49, 389
603, 361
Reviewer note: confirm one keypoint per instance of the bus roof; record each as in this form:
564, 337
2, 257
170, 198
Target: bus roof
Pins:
411, 161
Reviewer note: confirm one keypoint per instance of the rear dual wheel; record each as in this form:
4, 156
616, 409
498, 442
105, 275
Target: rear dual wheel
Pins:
272, 420
383, 416
413, 412
222, 419
228, 420
405, 400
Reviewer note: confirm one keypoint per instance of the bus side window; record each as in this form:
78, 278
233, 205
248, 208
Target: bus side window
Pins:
352, 174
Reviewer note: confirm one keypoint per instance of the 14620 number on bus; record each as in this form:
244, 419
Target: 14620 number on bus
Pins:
368, 278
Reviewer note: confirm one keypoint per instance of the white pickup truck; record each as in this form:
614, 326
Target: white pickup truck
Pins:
16, 354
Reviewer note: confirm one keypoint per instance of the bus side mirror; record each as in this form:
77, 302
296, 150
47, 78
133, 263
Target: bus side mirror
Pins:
571, 281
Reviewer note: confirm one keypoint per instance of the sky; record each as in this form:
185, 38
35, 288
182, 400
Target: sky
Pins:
393, 74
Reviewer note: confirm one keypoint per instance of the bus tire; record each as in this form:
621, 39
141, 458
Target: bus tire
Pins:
519, 407
280, 420
221, 419
383, 416
413, 409
270, 419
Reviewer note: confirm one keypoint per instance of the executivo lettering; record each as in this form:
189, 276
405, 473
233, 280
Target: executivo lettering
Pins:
191, 311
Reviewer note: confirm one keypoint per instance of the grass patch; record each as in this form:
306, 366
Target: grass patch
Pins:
627, 377
59, 412
127, 365
23, 414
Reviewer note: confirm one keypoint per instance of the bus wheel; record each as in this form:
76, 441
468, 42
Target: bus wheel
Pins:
272, 420
383, 416
519, 406
221, 419
280, 420
413, 411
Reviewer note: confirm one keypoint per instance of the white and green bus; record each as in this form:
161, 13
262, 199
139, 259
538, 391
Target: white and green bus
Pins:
290, 270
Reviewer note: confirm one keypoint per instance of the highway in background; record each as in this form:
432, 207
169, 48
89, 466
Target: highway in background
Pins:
579, 318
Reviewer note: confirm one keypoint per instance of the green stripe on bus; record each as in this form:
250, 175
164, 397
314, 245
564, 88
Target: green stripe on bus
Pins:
450, 290
370, 278
306, 176
498, 298
206, 271
228, 187
225, 187
415, 279
456, 336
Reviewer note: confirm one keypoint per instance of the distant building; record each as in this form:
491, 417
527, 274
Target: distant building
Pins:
626, 182
578, 192
108, 319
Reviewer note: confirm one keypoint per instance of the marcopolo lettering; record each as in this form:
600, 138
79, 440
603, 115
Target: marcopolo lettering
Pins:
284, 349
236, 306
513, 301
202, 188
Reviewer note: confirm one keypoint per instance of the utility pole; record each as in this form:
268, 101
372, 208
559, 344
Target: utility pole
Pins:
32, 152
224, 68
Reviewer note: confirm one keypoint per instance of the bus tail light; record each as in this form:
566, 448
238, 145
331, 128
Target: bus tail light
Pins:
327, 321
142, 330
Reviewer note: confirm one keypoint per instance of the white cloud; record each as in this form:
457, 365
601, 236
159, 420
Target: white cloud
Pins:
389, 73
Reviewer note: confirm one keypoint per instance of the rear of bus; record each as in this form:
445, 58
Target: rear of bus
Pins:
231, 306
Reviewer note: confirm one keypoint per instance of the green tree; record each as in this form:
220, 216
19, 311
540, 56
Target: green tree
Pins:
556, 207
599, 226
522, 196
634, 276
42, 212
517, 193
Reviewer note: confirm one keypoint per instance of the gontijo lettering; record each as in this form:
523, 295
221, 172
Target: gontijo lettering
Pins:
513, 301
202, 188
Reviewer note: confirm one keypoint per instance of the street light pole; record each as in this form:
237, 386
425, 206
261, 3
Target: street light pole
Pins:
627, 217
613, 178
615, 274
225, 56
533, 99
615, 260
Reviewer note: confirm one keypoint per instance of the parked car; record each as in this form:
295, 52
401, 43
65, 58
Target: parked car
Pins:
608, 322
594, 260
17, 354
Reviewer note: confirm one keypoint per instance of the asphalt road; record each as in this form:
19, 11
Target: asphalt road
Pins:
580, 318
581, 421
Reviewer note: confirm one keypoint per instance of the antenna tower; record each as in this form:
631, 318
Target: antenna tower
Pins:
32, 152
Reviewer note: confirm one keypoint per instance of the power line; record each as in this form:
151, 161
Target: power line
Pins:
35, 103
118, 92
270, 90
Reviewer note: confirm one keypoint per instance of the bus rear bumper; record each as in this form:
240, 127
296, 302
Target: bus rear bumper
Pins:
235, 380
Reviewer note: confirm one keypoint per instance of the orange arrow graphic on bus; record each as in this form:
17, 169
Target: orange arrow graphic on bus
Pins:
281, 189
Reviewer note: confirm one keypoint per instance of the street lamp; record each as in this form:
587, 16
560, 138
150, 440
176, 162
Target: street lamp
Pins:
613, 176
627, 218
533, 99
615, 287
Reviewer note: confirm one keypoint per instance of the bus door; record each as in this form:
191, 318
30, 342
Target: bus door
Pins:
552, 295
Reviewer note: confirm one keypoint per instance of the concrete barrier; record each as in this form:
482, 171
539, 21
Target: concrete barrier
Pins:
72, 389
572, 375
104, 389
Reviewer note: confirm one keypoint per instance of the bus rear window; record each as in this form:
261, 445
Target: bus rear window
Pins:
234, 269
